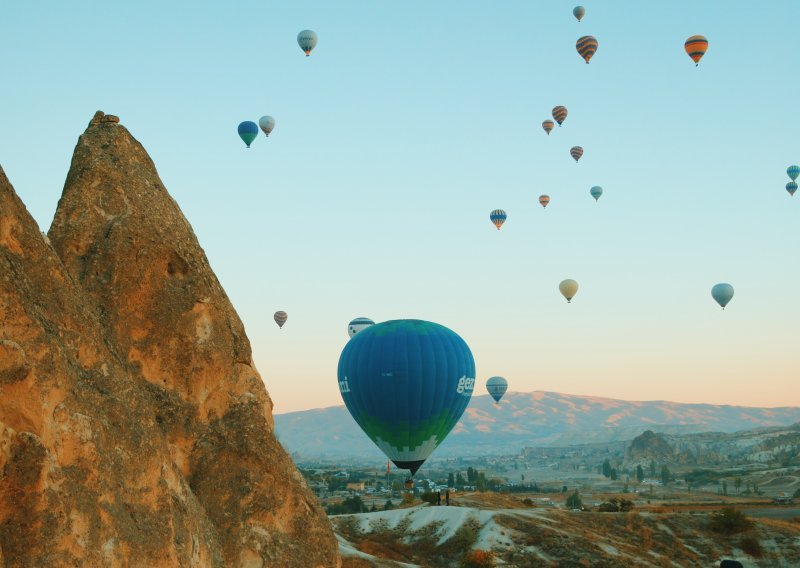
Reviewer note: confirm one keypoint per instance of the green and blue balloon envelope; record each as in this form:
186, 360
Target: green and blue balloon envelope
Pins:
406, 383
248, 130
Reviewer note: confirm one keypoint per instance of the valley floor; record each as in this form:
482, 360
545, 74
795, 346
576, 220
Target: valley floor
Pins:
499, 530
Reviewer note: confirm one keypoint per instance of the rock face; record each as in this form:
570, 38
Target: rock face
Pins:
134, 428
649, 445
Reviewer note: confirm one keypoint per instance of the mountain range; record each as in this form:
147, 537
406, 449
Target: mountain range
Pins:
538, 418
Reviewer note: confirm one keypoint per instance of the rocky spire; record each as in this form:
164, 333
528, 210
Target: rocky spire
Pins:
133, 424
126, 241
85, 476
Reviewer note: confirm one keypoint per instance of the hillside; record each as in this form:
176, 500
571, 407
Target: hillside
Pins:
515, 535
530, 419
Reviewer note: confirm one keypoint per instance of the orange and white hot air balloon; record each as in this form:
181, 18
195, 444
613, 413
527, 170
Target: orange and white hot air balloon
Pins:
544, 200
548, 125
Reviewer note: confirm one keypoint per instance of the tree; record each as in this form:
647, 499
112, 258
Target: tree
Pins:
459, 479
729, 521
574, 501
388, 506
724, 487
451, 480
607, 468
613, 474
652, 468
665, 474
639, 473
737, 483
471, 475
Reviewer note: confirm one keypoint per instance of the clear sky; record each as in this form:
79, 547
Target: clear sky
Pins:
409, 123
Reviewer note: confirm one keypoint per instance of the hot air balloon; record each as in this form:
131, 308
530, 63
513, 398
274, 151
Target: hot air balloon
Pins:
722, 293
544, 200
696, 46
568, 289
498, 217
548, 126
280, 318
358, 324
596, 192
307, 40
497, 387
576, 152
586, 46
793, 172
406, 383
791, 187
248, 130
267, 123
560, 114
579, 12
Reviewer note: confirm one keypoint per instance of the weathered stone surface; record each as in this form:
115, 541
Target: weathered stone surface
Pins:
85, 478
134, 428
125, 241
13, 362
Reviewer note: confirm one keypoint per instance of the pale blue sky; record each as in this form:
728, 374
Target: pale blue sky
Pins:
409, 123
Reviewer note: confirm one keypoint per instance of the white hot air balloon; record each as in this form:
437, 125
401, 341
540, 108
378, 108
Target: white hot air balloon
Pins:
266, 123
358, 324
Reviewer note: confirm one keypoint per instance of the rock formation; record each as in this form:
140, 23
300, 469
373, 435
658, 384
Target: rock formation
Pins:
650, 446
134, 428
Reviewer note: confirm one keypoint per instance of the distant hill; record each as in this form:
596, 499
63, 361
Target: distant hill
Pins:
538, 418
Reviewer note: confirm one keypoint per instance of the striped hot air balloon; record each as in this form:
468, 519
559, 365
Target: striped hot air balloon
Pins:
793, 172
560, 114
544, 200
498, 217
791, 187
358, 324
280, 318
586, 46
576, 152
497, 387
548, 126
696, 46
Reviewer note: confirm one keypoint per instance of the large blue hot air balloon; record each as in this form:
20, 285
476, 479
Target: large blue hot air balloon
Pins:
793, 172
406, 383
722, 293
596, 192
497, 387
248, 130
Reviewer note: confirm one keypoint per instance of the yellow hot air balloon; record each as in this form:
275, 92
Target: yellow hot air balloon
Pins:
568, 289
